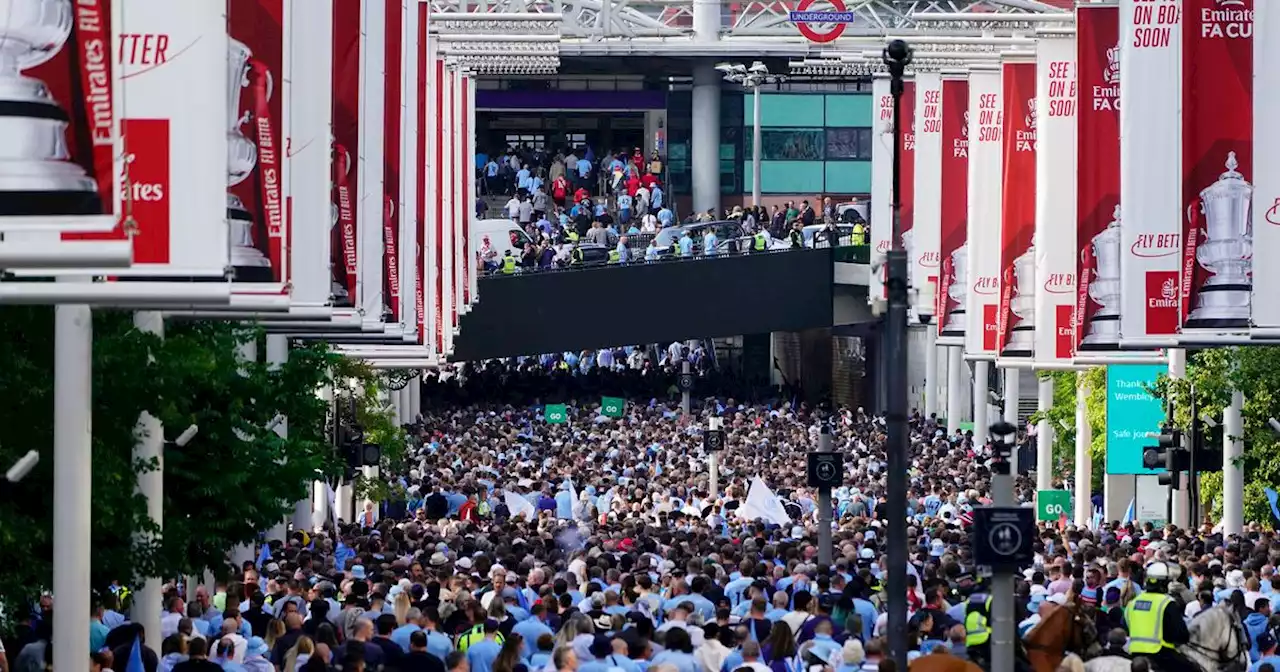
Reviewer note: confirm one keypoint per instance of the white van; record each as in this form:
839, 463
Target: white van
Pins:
503, 235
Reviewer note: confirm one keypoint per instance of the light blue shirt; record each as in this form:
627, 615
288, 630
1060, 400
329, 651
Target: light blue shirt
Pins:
686, 245
624, 253
624, 202
665, 216
651, 252
655, 197
584, 168
480, 656
530, 630
400, 636
709, 242
683, 662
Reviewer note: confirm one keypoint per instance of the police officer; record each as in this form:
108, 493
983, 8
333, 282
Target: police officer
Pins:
1156, 623
508, 264
759, 243
977, 627
859, 234
575, 256
796, 236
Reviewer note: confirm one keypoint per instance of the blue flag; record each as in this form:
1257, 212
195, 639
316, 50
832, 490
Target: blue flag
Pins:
135, 657
1131, 512
1272, 498
264, 556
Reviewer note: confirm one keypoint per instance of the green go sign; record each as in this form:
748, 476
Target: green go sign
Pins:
556, 414
1052, 504
612, 407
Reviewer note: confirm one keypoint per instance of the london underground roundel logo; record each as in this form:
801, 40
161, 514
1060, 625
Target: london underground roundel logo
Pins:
803, 16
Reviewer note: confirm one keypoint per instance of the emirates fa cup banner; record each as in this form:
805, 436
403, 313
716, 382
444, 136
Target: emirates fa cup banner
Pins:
1097, 309
370, 201
1055, 198
953, 285
392, 136
907, 179
881, 180
986, 155
927, 183
1016, 315
347, 23
424, 184
256, 155
1150, 169
1266, 164
70, 171
309, 177
1216, 270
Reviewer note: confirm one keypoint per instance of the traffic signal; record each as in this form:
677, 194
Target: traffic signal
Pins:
1206, 446
1168, 454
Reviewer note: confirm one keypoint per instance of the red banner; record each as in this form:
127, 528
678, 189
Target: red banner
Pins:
259, 26
1098, 170
452, 78
442, 76
146, 149
346, 134
393, 70
79, 79
466, 165
1217, 163
955, 196
907, 145
420, 291
1018, 205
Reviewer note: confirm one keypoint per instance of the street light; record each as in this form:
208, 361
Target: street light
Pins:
22, 467
897, 56
751, 77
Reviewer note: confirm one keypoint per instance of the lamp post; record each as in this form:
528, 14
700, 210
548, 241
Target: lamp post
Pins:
751, 77
897, 55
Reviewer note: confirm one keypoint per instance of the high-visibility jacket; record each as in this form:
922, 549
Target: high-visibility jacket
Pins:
508, 265
572, 235
797, 239
575, 257
859, 234
1145, 617
474, 635
614, 256
977, 631
758, 242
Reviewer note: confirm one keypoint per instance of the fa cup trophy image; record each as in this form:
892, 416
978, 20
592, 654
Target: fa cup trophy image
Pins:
1021, 339
1104, 287
242, 157
36, 177
1225, 249
957, 292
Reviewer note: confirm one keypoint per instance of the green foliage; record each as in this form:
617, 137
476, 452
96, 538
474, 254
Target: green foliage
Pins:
1213, 374
234, 479
1062, 417
378, 419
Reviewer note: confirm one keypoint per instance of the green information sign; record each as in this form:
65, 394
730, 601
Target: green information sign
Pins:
612, 406
556, 414
1052, 504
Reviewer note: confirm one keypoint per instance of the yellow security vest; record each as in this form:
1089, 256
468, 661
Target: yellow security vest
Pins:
976, 630
508, 265
1145, 616
466, 639
758, 242
859, 235
614, 256
575, 257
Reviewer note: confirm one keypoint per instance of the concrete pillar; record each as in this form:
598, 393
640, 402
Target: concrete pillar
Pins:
415, 399
706, 20
148, 599
1084, 456
72, 482
930, 371
980, 422
1012, 390
1232, 471
705, 138
955, 381
246, 353
1044, 436
1180, 500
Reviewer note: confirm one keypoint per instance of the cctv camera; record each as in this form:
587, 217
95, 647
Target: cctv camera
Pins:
924, 319
185, 437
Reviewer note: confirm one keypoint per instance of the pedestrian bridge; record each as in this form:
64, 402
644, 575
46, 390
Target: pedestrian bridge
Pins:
661, 302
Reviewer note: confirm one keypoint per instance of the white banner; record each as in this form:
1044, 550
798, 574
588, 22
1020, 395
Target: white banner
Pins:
1266, 165
986, 125
1150, 170
431, 202
881, 180
928, 190
1055, 236
310, 176
373, 27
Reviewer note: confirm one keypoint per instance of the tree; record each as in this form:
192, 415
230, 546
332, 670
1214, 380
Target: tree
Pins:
1062, 418
1213, 374
234, 479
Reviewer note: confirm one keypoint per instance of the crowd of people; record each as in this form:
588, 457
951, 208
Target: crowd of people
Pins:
603, 543
577, 212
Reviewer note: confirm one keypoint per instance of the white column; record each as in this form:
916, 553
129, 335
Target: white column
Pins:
955, 379
1084, 454
1012, 380
705, 137
980, 432
1180, 499
415, 398
72, 482
246, 353
755, 144
1232, 473
149, 432
930, 372
319, 505
1044, 436
344, 498
706, 20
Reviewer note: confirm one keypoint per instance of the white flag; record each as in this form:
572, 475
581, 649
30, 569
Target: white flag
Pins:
762, 503
519, 506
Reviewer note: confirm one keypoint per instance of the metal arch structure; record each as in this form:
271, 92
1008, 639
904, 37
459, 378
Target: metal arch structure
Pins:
608, 20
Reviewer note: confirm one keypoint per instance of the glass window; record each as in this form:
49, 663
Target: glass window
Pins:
799, 144
527, 140
848, 143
